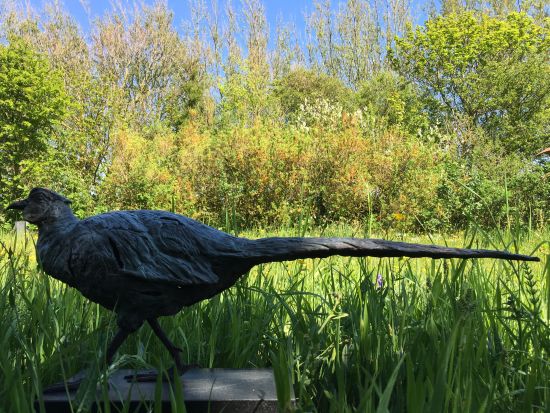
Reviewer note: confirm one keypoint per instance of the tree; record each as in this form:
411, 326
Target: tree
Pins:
344, 44
538, 9
32, 102
142, 57
392, 99
245, 97
79, 151
300, 85
491, 70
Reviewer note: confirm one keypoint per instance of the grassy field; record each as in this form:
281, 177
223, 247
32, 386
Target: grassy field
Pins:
366, 335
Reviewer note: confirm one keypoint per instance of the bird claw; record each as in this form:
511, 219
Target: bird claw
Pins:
145, 376
185, 368
63, 386
72, 384
142, 376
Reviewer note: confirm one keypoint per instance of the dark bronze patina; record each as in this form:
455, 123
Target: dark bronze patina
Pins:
147, 264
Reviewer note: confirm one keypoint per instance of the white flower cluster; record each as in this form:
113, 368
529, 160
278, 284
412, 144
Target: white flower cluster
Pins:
320, 112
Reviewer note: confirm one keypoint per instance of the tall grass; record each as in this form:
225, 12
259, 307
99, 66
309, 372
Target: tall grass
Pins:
348, 334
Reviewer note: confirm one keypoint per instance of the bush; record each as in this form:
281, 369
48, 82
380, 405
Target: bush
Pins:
492, 190
265, 175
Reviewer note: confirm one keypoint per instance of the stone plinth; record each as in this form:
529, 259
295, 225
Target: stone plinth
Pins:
204, 390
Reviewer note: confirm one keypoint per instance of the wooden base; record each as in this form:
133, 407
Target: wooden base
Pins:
204, 390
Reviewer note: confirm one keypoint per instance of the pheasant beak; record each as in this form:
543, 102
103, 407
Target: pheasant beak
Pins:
18, 204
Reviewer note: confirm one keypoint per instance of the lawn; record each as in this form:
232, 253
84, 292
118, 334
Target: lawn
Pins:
348, 334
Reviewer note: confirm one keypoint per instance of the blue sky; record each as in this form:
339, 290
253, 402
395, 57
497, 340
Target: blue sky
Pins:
288, 10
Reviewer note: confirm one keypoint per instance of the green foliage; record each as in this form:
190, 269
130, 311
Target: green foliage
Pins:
245, 98
439, 144
123, 120
141, 57
141, 172
436, 336
494, 71
387, 96
275, 175
302, 85
491, 189
32, 102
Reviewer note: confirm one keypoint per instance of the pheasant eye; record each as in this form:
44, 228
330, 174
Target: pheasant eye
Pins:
38, 198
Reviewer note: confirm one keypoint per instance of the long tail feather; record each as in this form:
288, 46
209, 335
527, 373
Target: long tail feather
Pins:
287, 249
